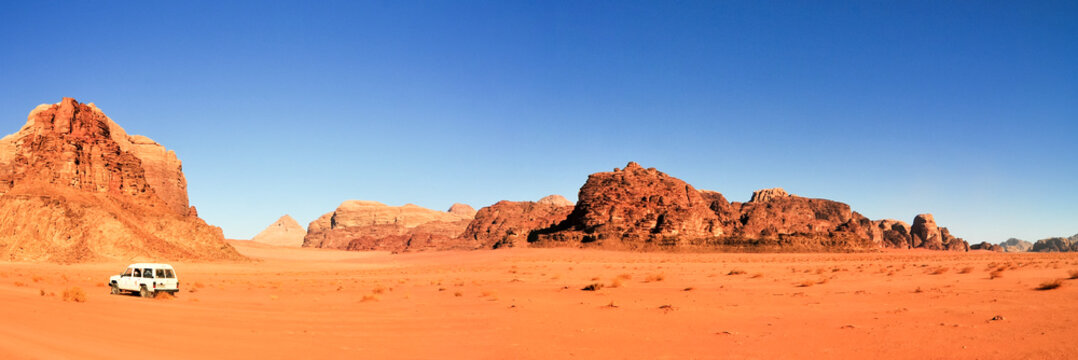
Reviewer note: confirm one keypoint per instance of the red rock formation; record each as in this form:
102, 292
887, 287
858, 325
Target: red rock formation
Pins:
76, 188
636, 208
986, 246
283, 232
371, 225
508, 223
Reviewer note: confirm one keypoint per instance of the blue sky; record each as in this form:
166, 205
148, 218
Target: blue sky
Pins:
967, 110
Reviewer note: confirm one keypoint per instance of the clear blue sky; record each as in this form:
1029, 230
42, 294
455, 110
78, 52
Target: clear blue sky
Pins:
966, 109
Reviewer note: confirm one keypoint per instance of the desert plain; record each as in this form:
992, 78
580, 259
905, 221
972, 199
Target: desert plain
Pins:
289, 303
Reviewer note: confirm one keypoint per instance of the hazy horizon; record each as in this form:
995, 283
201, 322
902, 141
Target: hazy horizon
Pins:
964, 110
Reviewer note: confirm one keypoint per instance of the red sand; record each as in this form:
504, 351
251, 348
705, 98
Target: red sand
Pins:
527, 303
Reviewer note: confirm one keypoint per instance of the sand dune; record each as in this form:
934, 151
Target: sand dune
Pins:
528, 303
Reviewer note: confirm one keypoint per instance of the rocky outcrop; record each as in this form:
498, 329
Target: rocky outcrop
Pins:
75, 187
1016, 245
1056, 244
371, 225
637, 208
986, 246
508, 223
766, 195
283, 232
555, 200
634, 208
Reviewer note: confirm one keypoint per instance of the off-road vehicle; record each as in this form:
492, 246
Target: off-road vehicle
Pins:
146, 279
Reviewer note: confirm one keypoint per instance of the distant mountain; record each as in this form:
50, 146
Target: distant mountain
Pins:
1057, 244
1016, 245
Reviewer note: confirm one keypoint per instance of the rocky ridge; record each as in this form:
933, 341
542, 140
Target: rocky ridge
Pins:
637, 208
371, 225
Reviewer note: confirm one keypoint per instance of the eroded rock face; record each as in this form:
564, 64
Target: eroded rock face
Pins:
77, 188
635, 207
766, 195
508, 223
643, 208
371, 225
283, 232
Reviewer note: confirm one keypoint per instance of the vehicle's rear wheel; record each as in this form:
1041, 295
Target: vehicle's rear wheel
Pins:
144, 292
115, 290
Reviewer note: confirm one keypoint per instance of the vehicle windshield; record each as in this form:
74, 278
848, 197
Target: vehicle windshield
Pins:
128, 272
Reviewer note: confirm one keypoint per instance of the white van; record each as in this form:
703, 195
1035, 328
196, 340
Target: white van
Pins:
146, 279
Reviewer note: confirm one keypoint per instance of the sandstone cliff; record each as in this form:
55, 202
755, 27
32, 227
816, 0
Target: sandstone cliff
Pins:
371, 225
75, 187
283, 232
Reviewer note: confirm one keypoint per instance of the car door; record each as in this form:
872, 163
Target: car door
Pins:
127, 280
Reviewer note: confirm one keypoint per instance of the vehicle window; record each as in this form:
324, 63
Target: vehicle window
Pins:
160, 273
138, 272
128, 272
147, 273
168, 274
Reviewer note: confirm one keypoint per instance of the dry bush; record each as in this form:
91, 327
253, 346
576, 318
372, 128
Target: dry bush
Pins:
37, 278
688, 289
757, 275
806, 283
1073, 274
822, 281
593, 287
458, 294
939, 271
367, 298
20, 284
966, 270
616, 283
736, 272
997, 273
1050, 284
74, 294
655, 277
625, 276
379, 290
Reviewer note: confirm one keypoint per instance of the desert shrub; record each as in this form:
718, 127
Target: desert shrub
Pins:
1050, 284
997, 273
593, 287
757, 275
966, 270
736, 272
74, 294
806, 283
368, 298
939, 270
1073, 274
655, 277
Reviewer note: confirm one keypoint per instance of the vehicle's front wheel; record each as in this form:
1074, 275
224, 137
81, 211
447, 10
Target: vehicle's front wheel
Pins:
144, 292
115, 290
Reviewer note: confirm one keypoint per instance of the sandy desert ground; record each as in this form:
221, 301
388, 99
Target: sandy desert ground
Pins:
528, 304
